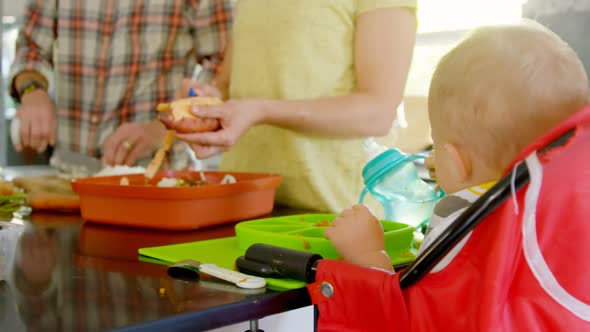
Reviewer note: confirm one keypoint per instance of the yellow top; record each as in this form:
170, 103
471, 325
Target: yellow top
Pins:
299, 49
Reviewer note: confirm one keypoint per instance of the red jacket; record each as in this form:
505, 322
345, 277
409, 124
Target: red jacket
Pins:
524, 268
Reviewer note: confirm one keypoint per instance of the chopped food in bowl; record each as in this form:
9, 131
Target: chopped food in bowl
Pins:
178, 182
120, 170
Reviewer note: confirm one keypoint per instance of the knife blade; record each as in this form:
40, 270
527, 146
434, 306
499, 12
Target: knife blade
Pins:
74, 163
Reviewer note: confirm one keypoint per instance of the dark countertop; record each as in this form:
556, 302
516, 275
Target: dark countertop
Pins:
70, 276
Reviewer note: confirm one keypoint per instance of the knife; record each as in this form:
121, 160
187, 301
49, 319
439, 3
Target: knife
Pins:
72, 163
75, 163
184, 269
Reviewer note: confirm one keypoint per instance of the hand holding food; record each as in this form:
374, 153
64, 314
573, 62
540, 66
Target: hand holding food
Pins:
358, 237
235, 118
181, 111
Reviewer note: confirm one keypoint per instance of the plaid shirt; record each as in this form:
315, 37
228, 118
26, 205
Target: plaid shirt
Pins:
112, 61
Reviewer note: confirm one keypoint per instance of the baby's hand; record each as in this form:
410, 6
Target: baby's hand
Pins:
358, 237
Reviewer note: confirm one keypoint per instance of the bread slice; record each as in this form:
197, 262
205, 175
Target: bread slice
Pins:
182, 108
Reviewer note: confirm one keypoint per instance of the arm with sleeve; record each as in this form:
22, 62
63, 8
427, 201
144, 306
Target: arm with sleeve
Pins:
35, 42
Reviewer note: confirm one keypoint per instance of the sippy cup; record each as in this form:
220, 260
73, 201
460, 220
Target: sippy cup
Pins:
392, 178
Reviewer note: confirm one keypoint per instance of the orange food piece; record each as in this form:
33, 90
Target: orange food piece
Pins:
306, 245
53, 201
7, 188
322, 223
158, 159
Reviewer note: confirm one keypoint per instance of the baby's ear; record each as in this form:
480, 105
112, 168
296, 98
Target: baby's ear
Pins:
461, 161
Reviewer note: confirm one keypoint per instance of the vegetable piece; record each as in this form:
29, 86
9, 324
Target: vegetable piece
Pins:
11, 203
155, 164
124, 181
228, 179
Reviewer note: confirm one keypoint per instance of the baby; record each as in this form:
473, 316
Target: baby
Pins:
490, 97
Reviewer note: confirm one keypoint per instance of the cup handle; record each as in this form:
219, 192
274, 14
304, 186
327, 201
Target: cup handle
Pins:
363, 194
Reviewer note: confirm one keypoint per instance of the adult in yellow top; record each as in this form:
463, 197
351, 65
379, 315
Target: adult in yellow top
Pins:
305, 82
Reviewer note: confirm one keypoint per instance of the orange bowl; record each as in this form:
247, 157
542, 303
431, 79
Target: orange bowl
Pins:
104, 200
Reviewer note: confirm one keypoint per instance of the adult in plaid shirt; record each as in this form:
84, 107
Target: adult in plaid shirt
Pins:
109, 63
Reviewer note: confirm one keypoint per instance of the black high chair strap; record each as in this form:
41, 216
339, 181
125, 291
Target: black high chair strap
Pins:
469, 219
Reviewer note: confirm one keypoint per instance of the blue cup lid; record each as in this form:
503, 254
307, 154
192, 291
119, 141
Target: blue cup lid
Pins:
384, 163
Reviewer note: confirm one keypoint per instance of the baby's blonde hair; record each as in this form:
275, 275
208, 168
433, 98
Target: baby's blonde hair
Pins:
503, 87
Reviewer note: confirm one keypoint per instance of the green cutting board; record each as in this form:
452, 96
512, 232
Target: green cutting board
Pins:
299, 232
222, 252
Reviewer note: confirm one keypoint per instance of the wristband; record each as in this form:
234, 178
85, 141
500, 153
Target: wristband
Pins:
29, 87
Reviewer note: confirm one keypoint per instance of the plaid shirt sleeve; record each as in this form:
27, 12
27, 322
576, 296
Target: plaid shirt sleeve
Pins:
35, 41
212, 22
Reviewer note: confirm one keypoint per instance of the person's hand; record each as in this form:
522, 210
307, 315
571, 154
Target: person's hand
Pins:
131, 142
38, 121
201, 89
38, 256
235, 118
358, 237
430, 165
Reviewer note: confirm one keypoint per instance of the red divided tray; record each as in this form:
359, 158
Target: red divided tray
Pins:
104, 200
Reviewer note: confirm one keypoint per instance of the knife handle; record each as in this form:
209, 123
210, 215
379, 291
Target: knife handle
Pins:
239, 279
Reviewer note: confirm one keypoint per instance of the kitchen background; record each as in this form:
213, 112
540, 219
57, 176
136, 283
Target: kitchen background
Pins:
441, 25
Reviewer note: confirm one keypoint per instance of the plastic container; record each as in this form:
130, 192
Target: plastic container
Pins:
9, 235
306, 233
104, 200
392, 178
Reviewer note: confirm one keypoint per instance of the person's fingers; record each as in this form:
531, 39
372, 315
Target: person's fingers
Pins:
167, 121
348, 212
109, 148
36, 134
112, 143
329, 232
214, 112
338, 221
136, 152
52, 131
43, 125
123, 149
359, 207
25, 131
204, 152
194, 125
218, 138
